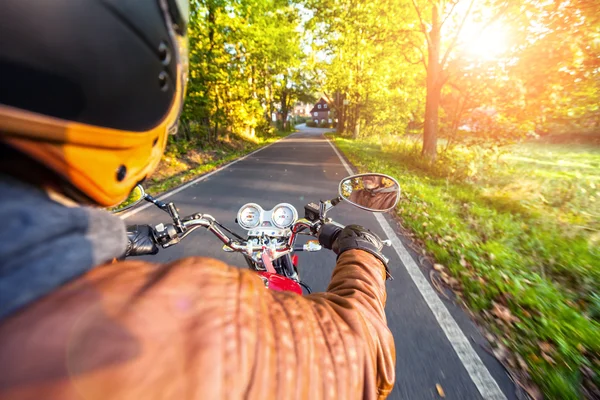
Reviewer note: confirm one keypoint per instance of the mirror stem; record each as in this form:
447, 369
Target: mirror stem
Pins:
172, 210
156, 202
336, 201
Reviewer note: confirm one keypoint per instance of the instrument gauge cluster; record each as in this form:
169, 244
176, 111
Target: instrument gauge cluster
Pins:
249, 215
252, 217
284, 215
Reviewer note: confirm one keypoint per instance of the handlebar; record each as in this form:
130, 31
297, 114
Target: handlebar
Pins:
170, 234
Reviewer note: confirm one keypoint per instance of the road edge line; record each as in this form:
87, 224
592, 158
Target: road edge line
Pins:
478, 372
170, 193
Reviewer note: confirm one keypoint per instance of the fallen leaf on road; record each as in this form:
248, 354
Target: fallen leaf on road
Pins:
453, 282
490, 337
546, 347
533, 391
522, 363
438, 267
501, 352
503, 313
548, 359
440, 390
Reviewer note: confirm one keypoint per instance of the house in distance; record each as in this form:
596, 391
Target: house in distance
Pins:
321, 112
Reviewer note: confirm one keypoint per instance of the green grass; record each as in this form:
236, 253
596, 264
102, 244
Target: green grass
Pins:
184, 161
520, 227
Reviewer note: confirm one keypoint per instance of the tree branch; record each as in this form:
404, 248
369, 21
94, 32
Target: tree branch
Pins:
449, 13
455, 38
495, 17
455, 86
330, 100
423, 59
423, 27
410, 61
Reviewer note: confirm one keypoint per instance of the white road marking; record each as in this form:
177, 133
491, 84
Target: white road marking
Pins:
136, 210
480, 375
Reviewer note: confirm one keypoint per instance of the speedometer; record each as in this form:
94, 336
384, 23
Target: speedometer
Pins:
249, 216
284, 215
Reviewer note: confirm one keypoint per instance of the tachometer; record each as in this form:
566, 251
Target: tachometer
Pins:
249, 215
284, 215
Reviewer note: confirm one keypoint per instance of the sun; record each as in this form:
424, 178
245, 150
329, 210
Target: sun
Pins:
487, 43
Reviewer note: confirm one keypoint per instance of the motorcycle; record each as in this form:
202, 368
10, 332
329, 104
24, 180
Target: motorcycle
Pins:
271, 234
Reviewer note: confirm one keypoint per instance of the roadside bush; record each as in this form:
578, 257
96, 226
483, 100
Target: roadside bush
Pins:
300, 120
311, 124
517, 229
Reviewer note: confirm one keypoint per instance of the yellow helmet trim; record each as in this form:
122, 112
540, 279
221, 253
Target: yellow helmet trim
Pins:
92, 158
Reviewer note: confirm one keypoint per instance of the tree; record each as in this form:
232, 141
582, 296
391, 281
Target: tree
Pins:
559, 65
441, 22
292, 86
238, 53
357, 54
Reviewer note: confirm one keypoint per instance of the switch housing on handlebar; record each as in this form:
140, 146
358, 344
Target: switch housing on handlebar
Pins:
166, 235
311, 212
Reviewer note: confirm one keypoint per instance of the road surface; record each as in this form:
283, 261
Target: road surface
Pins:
436, 343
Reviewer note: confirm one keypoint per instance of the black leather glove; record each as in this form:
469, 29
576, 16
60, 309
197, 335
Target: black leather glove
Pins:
141, 241
352, 237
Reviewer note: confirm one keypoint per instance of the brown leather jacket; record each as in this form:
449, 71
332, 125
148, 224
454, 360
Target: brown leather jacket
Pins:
376, 201
198, 329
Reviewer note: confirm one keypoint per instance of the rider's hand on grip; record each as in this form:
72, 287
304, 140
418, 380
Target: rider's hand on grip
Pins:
327, 235
356, 237
140, 241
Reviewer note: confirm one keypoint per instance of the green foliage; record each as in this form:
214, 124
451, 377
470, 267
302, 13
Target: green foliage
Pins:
517, 226
311, 124
361, 60
381, 62
245, 64
300, 120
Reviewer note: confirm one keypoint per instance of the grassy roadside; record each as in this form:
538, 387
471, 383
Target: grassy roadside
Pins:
517, 236
185, 161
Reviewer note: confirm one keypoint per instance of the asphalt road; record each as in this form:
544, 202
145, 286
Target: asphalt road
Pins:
434, 340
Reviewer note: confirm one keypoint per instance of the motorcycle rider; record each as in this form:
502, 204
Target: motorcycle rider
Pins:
374, 194
89, 91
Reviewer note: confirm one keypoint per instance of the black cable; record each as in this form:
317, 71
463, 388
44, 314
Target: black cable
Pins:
306, 287
230, 231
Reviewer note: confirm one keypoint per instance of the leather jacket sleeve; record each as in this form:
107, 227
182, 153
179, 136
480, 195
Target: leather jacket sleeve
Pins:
199, 329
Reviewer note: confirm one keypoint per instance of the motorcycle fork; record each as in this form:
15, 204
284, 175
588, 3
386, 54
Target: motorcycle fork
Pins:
284, 266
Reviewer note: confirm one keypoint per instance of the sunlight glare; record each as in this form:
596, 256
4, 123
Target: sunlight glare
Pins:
489, 44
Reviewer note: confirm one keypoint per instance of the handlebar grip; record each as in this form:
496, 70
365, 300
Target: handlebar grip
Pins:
328, 233
140, 241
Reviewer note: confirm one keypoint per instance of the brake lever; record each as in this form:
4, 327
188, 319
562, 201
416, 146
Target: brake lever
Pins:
386, 242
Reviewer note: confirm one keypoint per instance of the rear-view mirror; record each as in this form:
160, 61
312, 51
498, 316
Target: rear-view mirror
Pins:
371, 192
135, 197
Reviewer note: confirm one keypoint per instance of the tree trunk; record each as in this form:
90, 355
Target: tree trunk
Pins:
284, 109
434, 88
356, 131
430, 129
217, 116
341, 120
